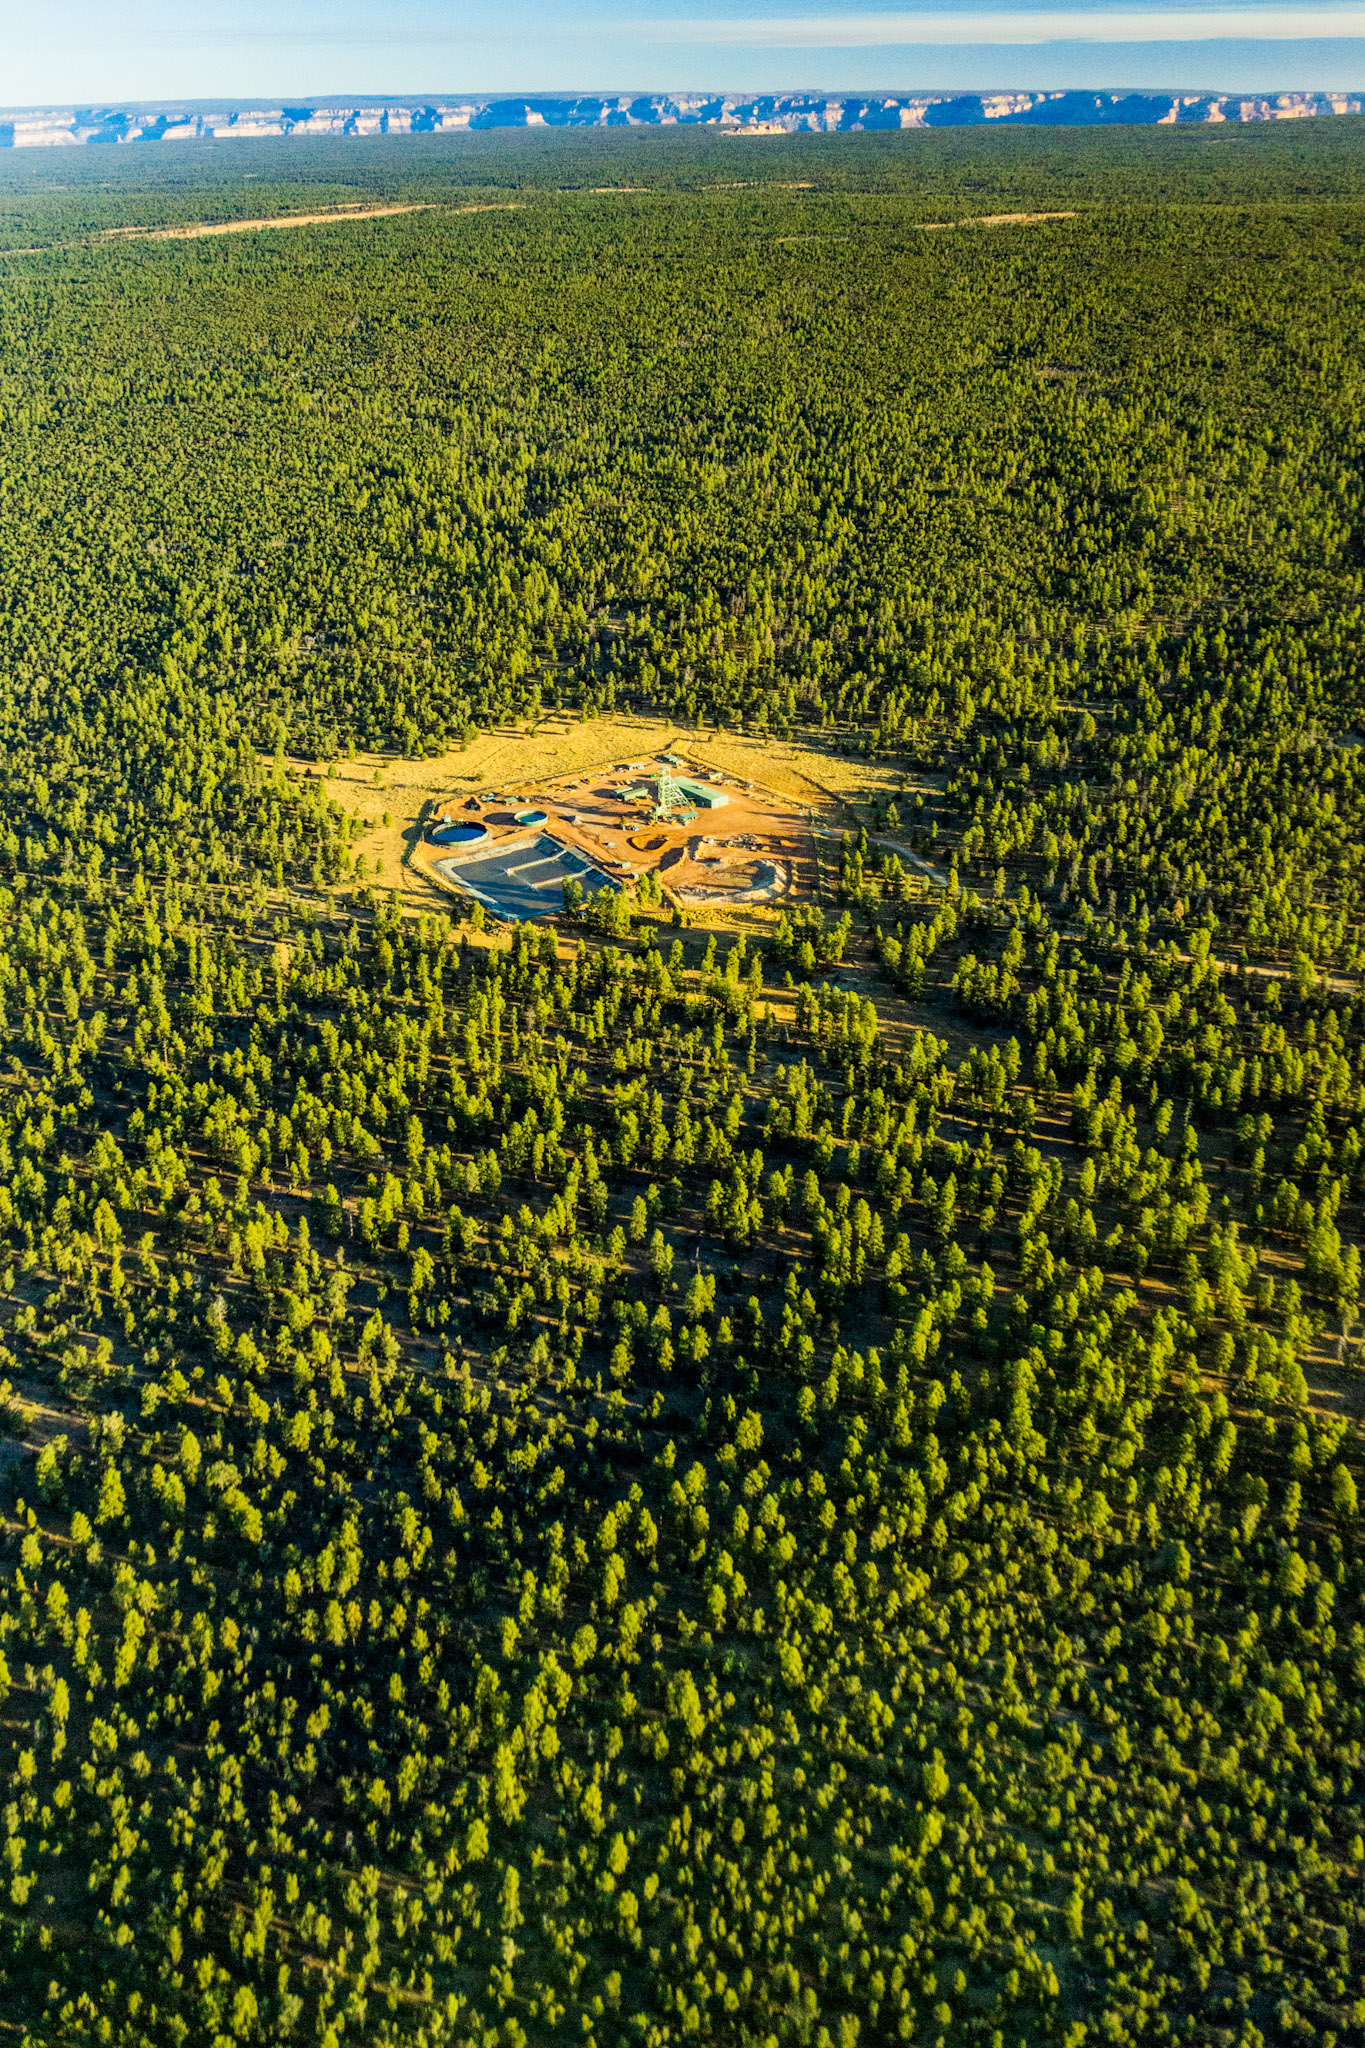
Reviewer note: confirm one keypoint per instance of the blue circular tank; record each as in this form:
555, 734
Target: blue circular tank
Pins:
532, 817
459, 835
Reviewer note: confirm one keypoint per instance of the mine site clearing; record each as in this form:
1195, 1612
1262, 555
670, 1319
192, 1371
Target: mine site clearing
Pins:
710, 837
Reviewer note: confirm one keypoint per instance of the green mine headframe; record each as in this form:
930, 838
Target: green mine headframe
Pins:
670, 796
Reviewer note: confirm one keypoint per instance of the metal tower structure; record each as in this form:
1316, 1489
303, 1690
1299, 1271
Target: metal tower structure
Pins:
670, 795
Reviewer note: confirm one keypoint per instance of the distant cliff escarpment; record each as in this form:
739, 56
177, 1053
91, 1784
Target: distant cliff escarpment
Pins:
778, 113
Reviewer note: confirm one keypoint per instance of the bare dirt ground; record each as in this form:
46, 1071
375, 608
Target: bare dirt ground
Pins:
561, 746
802, 772
997, 220
754, 847
810, 777
192, 230
374, 786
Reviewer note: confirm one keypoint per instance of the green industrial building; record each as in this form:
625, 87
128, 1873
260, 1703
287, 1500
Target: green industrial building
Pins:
702, 794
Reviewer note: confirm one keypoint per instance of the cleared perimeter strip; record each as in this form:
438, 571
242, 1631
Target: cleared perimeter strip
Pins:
192, 230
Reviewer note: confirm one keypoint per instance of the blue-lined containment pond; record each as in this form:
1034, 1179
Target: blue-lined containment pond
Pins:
459, 835
526, 879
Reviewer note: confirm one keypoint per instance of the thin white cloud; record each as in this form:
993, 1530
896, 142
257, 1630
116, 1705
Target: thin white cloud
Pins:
1000, 26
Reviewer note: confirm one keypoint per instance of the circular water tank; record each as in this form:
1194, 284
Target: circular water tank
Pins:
459, 835
532, 817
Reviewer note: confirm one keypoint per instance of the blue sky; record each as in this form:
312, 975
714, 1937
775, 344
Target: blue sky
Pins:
95, 51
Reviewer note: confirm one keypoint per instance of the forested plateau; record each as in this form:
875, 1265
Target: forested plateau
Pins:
623, 1481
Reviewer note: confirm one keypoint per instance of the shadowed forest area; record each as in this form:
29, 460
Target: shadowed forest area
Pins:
625, 1481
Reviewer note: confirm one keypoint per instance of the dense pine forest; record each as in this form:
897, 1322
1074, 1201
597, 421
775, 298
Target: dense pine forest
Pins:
623, 1482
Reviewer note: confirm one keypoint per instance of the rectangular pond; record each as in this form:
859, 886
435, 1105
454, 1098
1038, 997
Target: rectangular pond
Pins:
526, 879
